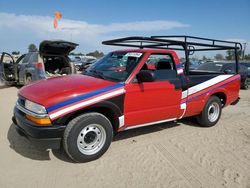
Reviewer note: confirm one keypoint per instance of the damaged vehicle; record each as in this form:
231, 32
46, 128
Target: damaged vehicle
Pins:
51, 60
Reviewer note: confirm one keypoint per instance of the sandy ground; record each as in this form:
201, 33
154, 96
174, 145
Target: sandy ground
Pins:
167, 155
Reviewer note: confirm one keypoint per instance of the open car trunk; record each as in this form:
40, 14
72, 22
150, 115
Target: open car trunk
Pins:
56, 65
54, 54
58, 47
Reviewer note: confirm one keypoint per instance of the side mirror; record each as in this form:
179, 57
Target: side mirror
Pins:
145, 76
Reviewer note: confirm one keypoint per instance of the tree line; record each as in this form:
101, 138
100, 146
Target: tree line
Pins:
230, 54
95, 53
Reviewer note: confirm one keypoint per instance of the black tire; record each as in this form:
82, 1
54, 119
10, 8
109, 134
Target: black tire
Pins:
211, 113
28, 80
246, 84
83, 132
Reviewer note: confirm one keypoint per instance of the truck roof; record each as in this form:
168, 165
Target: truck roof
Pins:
146, 50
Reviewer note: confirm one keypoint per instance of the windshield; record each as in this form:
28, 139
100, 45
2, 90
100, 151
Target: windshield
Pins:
116, 66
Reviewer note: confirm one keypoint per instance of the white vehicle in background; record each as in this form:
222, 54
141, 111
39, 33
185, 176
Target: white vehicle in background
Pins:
88, 58
82, 62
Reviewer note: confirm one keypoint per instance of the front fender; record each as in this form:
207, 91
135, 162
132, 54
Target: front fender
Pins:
112, 108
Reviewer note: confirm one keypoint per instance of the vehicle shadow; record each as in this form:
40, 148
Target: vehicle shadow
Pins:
145, 130
9, 86
24, 147
61, 154
21, 145
191, 121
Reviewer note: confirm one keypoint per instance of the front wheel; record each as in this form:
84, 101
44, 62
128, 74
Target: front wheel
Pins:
211, 113
87, 137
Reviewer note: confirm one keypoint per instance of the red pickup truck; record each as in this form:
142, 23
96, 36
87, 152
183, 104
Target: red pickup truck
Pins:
125, 89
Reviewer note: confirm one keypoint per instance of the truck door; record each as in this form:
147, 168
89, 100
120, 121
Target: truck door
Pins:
156, 101
7, 69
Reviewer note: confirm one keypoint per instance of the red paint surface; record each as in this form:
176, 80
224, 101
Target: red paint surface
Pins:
54, 90
153, 101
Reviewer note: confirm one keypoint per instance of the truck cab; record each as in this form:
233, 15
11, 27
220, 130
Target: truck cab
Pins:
125, 89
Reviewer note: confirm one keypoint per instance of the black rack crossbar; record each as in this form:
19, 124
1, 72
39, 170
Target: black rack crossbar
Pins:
188, 44
165, 42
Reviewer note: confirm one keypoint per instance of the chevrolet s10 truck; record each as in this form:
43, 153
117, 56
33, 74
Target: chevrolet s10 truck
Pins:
124, 90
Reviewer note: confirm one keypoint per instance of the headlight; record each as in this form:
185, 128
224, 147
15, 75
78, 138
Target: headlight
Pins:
33, 107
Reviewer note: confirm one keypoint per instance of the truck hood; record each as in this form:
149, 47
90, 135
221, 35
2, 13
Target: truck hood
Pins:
55, 90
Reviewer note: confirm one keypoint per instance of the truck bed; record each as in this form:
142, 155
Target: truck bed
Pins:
197, 77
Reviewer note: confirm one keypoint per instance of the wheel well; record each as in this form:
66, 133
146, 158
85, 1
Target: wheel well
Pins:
107, 112
222, 96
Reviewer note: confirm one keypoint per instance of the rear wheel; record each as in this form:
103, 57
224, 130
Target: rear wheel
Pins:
87, 137
211, 113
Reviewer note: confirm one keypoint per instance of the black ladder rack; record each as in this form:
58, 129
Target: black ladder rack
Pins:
188, 44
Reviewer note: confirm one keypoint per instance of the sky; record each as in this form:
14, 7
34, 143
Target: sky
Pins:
90, 22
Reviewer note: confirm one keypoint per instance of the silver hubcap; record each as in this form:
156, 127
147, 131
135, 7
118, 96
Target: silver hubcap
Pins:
213, 112
91, 139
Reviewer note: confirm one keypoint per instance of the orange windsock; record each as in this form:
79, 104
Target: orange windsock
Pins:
58, 15
55, 23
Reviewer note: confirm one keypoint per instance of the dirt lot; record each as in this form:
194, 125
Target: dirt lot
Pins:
167, 155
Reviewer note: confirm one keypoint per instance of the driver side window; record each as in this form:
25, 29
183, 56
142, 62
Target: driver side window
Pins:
162, 65
155, 59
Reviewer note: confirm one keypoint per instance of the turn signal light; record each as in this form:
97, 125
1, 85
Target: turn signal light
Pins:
40, 121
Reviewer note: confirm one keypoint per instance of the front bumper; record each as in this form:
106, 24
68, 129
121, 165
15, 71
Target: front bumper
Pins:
45, 136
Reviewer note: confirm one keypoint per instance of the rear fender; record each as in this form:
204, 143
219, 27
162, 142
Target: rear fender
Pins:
196, 105
220, 93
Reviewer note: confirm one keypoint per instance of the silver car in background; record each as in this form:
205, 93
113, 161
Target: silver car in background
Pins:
51, 60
